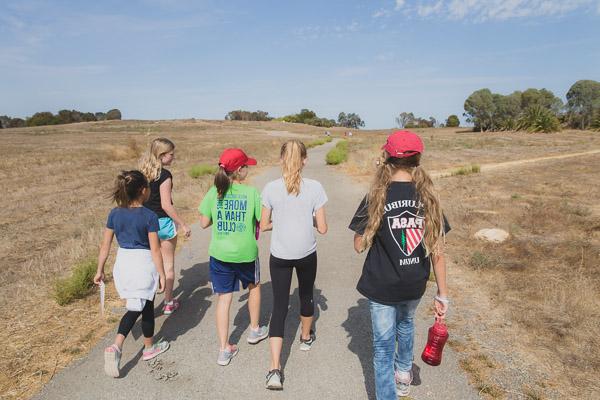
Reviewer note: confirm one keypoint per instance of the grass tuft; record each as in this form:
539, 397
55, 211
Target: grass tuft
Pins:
338, 154
76, 286
200, 170
319, 142
467, 170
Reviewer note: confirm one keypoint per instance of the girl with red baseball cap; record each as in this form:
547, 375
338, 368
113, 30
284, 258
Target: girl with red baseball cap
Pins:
233, 210
401, 224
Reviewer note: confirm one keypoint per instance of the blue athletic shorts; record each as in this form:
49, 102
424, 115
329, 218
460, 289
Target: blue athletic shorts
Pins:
226, 276
166, 228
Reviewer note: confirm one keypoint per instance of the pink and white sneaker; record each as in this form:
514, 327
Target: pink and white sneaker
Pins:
156, 349
171, 307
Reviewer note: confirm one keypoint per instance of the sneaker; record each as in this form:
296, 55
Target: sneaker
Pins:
274, 380
226, 355
255, 336
403, 381
112, 358
306, 344
154, 350
171, 307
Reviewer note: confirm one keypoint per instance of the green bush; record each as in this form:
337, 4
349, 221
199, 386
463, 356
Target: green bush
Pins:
338, 154
76, 286
452, 121
202, 169
538, 119
113, 114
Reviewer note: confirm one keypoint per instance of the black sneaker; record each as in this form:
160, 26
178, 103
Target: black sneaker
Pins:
306, 344
274, 380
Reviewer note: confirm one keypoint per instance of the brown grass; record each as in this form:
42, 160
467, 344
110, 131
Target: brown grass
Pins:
55, 205
534, 297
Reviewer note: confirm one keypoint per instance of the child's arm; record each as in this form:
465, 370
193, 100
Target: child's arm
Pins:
157, 258
265, 220
103, 254
205, 221
321, 221
357, 243
167, 204
440, 301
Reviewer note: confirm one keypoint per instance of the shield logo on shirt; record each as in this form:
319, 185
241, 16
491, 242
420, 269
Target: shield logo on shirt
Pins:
407, 230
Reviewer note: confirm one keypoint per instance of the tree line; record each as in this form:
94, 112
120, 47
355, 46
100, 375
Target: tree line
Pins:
535, 110
305, 116
62, 117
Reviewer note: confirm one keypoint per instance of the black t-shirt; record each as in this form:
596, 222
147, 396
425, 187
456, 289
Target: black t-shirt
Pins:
153, 202
396, 268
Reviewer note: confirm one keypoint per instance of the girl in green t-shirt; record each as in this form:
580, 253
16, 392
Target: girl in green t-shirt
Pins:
233, 210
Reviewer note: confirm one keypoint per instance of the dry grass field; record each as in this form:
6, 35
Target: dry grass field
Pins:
526, 313
56, 181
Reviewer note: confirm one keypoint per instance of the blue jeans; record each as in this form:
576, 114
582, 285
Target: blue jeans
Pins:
393, 338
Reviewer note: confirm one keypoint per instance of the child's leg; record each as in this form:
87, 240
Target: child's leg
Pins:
405, 335
223, 305
125, 326
167, 249
281, 278
148, 323
306, 271
383, 319
254, 304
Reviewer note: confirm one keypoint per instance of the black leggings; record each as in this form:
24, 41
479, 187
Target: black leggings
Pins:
281, 279
130, 317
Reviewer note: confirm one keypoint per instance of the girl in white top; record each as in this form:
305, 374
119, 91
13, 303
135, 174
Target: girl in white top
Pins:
292, 208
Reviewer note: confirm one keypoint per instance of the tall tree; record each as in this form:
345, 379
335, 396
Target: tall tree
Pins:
583, 98
479, 109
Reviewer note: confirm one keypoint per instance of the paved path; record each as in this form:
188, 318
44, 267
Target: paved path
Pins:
338, 367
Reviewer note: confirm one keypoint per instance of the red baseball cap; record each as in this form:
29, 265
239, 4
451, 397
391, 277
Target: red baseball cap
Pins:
232, 159
402, 144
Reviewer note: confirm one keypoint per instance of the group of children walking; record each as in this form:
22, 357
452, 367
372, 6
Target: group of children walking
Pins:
399, 221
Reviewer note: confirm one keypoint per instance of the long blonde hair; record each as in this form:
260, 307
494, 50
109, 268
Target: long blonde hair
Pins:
433, 230
293, 153
150, 163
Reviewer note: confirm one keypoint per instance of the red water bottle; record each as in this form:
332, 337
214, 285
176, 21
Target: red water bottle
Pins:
436, 339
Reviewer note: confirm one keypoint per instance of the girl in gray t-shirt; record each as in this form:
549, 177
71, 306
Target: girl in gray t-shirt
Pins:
292, 207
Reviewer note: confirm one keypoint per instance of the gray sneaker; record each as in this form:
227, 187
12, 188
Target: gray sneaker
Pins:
274, 380
226, 355
255, 336
306, 344
403, 381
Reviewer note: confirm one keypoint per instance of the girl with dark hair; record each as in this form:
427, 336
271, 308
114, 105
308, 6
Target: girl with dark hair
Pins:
233, 210
400, 222
138, 272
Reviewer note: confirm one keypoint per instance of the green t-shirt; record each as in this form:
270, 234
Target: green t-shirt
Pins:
233, 223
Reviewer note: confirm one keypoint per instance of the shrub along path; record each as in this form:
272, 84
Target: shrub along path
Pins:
338, 367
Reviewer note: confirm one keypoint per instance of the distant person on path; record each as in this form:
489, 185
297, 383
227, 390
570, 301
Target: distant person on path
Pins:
138, 272
233, 209
292, 207
161, 154
400, 222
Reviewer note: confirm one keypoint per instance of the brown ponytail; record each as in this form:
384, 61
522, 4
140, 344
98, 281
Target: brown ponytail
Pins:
129, 186
222, 182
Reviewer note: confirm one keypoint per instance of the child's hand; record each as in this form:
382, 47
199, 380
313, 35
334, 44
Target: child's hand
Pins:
187, 232
440, 306
98, 278
162, 280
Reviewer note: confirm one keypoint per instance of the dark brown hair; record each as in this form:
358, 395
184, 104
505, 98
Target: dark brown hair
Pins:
128, 187
223, 181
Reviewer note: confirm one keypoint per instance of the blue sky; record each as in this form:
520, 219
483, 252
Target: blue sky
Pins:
162, 59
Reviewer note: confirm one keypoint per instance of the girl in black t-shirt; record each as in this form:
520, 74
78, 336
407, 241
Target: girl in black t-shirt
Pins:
400, 222
160, 154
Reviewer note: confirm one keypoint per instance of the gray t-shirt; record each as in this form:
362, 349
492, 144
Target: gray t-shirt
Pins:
293, 235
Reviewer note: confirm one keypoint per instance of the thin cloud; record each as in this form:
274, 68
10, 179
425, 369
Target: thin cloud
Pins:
484, 10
